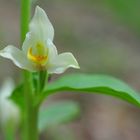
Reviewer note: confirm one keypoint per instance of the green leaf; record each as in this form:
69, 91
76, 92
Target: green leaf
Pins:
94, 84
17, 96
58, 113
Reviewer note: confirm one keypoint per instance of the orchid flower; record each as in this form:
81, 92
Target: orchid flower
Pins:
38, 51
9, 111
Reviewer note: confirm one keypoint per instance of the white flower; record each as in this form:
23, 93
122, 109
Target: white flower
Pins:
8, 109
38, 51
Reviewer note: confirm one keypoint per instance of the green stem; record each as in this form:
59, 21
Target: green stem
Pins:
25, 18
30, 114
42, 80
30, 118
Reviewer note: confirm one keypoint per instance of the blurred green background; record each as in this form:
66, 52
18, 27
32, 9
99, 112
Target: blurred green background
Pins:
104, 37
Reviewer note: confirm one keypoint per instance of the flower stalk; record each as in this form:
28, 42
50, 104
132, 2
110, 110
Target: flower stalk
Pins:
25, 18
30, 113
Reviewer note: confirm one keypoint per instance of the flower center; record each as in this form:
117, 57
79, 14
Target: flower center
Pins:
38, 54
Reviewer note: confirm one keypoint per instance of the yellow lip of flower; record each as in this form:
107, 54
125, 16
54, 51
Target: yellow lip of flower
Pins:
39, 59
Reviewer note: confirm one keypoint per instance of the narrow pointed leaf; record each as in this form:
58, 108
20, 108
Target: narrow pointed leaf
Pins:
17, 96
94, 84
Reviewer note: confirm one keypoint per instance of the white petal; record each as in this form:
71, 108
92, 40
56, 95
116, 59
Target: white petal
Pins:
52, 50
62, 62
18, 57
41, 24
40, 29
30, 41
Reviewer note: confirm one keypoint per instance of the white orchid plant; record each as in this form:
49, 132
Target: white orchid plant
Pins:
38, 59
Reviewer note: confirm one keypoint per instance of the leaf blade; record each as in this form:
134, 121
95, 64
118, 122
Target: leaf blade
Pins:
58, 113
94, 83
17, 96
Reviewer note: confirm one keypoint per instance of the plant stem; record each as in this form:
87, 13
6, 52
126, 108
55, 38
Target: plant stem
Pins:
30, 119
25, 18
30, 113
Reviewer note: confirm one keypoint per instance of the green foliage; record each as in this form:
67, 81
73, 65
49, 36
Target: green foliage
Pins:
94, 84
17, 96
58, 113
